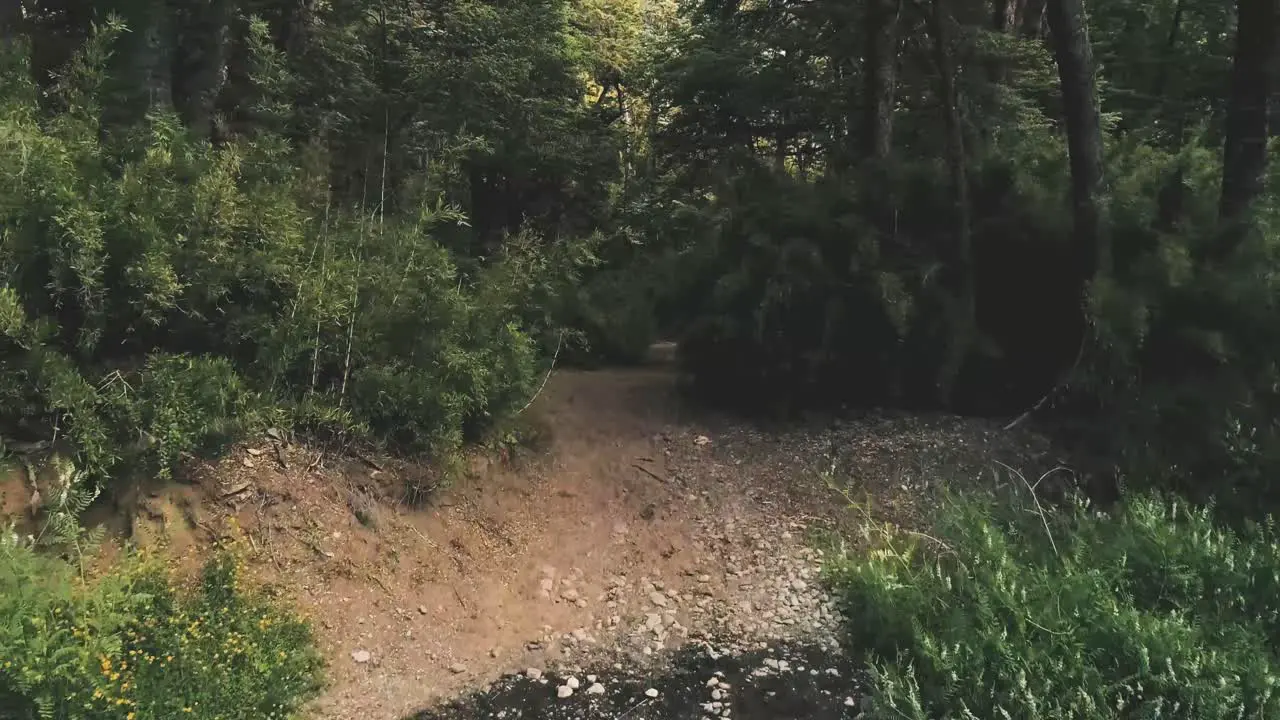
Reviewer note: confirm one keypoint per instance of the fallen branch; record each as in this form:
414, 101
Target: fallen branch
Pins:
647, 471
550, 370
1066, 380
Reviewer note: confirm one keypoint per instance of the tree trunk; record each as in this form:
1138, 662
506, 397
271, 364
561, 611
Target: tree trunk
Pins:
10, 22
1032, 21
1004, 15
963, 321
1244, 161
1081, 111
199, 60
1171, 202
880, 75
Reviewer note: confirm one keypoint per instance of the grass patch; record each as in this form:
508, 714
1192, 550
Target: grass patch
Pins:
1149, 611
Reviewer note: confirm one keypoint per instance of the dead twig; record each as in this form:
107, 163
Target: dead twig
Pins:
647, 471
1066, 379
284, 464
634, 708
458, 595
550, 370
369, 461
1035, 499
381, 584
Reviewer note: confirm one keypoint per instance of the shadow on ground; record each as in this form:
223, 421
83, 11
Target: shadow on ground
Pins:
783, 683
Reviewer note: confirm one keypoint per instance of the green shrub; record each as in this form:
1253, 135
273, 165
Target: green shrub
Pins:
1149, 611
130, 646
160, 295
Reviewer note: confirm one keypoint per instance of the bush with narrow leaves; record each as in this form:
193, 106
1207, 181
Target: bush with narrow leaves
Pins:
1150, 610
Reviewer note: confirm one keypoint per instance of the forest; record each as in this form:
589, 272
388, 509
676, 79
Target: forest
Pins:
385, 222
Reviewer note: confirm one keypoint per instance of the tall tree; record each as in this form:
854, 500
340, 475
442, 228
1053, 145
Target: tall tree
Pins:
1245, 146
880, 76
963, 316
1080, 109
10, 18
1032, 20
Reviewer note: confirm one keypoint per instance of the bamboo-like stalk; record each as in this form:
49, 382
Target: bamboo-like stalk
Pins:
324, 278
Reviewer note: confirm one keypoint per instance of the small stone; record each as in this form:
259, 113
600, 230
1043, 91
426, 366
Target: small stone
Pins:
533, 673
658, 598
564, 691
849, 702
457, 668
713, 682
591, 678
595, 689
569, 595
573, 682
651, 693
422, 609
716, 694
361, 656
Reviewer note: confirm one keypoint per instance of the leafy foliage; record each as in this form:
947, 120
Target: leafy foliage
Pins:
130, 645
1152, 610
164, 295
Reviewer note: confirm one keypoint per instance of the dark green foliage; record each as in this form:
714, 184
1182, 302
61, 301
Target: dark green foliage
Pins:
1151, 610
163, 295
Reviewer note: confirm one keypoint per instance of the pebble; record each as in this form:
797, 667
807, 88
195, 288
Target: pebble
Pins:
457, 668
658, 598
651, 693
595, 689
533, 673
564, 691
572, 682
361, 656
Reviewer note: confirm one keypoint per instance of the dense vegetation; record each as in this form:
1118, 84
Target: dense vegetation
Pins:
1004, 612
379, 222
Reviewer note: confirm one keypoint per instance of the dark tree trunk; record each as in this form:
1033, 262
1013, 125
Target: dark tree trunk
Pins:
1171, 203
10, 22
962, 327
1031, 24
1004, 15
1244, 161
880, 76
1080, 108
199, 60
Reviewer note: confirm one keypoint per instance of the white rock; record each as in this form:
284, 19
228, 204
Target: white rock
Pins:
457, 668
564, 691
533, 673
651, 693
361, 656
595, 689
573, 682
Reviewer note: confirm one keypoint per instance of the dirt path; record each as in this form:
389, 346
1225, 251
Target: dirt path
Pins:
642, 529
